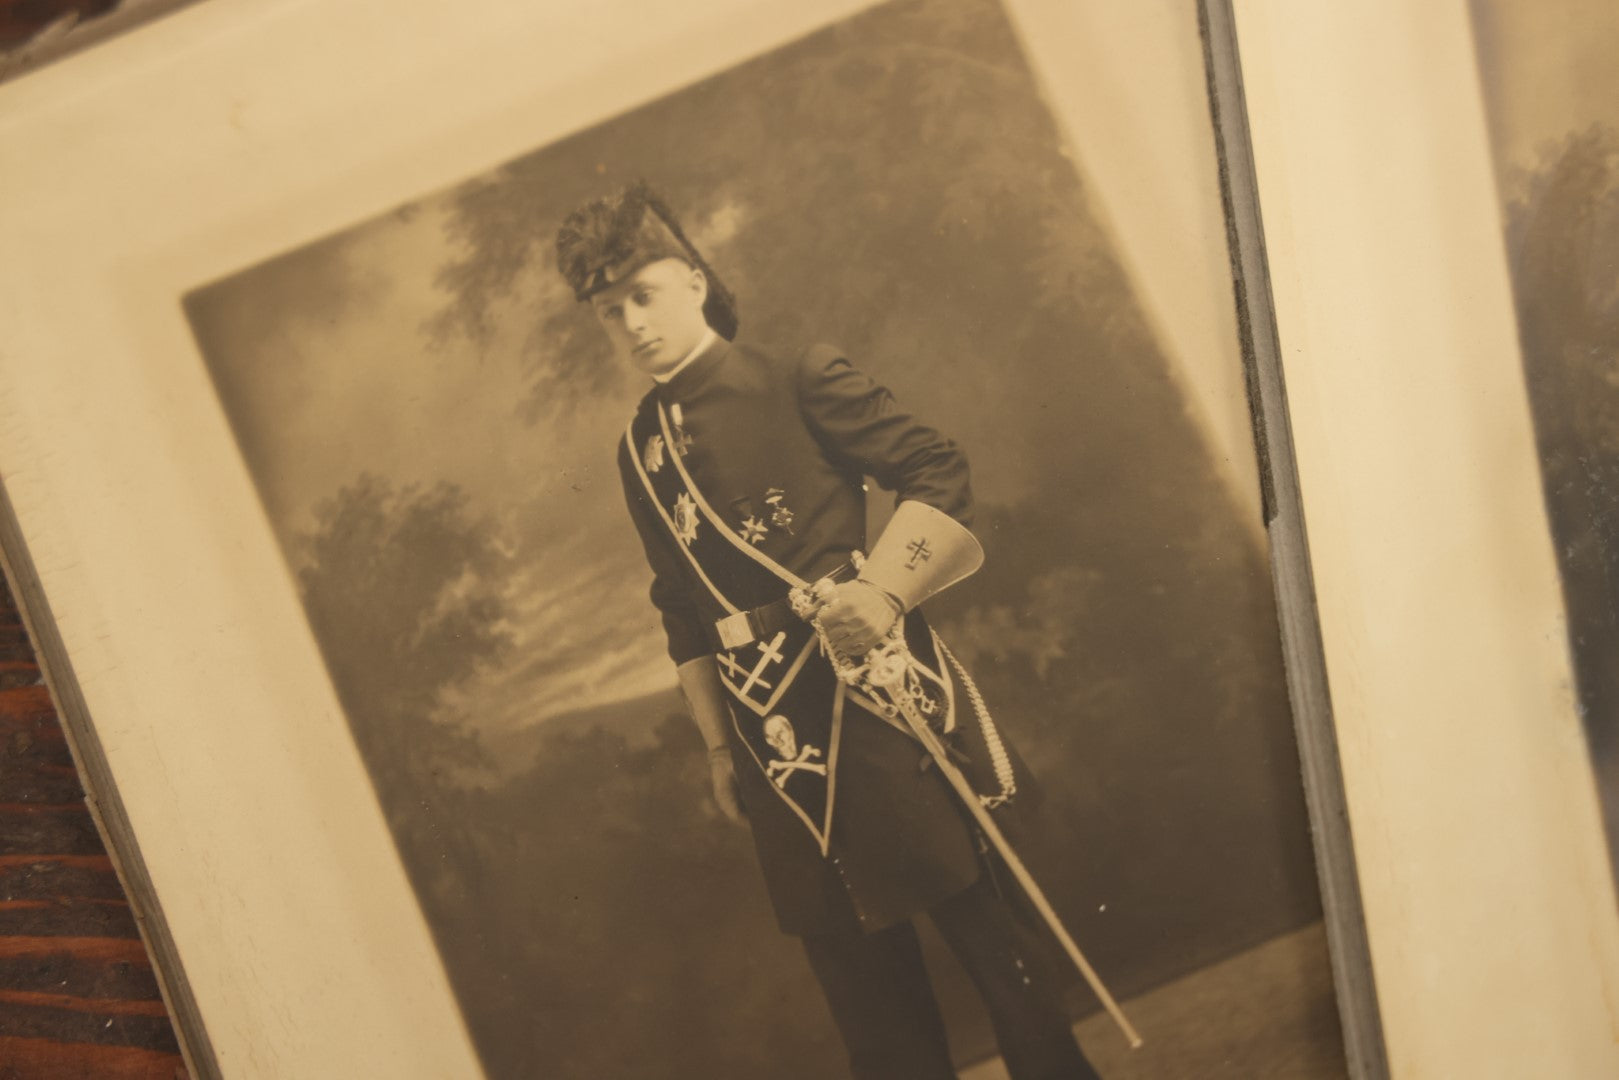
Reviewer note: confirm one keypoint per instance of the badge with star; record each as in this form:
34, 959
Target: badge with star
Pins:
753, 530
685, 518
652, 456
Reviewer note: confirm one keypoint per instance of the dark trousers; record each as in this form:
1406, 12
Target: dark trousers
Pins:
883, 1003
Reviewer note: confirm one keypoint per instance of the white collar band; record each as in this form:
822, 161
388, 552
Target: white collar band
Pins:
697, 350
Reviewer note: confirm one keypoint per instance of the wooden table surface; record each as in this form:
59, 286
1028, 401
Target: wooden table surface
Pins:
78, 1000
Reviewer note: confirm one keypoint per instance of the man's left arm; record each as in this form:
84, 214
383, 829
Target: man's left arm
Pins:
861, 427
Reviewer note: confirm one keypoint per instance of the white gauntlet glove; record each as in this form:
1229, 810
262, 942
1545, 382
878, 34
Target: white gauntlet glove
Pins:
922, 551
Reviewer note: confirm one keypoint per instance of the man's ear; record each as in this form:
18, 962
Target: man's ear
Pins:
699, 286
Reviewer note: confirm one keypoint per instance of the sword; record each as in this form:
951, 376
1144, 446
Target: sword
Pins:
884, 674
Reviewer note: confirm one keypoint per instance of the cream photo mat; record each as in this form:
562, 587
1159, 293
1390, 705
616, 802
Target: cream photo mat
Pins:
285, 121
1484, 875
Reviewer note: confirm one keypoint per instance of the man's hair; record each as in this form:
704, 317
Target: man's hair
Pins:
607, 239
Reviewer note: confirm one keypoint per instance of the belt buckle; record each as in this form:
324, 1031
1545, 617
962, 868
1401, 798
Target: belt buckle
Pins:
734, 631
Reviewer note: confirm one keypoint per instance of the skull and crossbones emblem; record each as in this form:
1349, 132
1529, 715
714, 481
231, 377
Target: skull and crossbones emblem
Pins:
791, 757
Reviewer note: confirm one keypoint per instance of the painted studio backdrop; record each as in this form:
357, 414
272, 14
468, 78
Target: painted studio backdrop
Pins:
431, 422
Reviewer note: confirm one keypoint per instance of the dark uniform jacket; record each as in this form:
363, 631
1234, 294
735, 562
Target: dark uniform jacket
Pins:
772, 446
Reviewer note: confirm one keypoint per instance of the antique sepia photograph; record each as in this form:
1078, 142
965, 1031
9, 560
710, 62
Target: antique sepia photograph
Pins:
790, 556
1551, 93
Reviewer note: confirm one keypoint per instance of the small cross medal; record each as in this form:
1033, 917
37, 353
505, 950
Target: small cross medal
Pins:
780, 516
679, 440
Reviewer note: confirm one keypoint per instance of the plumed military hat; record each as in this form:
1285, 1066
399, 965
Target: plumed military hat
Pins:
607, 239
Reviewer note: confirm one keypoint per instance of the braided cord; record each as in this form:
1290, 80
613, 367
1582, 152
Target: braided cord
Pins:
999, 759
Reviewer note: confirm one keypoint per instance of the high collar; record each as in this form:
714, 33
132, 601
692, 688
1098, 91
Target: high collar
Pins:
694, 371
704, 342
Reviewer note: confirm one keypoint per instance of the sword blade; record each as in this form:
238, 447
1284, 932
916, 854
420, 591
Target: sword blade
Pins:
992, 832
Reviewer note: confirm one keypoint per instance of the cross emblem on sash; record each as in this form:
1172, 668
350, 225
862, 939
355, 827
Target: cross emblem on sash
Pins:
920, 552
768, 654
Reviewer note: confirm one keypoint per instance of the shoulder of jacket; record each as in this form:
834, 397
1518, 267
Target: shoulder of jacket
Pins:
776, 363
815, 362
643, 408
647, 405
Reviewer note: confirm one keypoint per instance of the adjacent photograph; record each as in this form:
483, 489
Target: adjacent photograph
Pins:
1551, 95
790, 556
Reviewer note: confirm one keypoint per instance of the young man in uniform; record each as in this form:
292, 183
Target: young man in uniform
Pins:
743, 468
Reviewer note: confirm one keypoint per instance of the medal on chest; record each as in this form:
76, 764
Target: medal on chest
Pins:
788, 703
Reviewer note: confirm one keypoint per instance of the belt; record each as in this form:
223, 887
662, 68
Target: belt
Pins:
766, 620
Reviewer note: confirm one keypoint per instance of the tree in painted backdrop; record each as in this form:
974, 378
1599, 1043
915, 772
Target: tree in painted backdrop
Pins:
403, 591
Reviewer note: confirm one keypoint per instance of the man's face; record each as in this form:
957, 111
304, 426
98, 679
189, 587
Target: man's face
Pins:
654, 317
